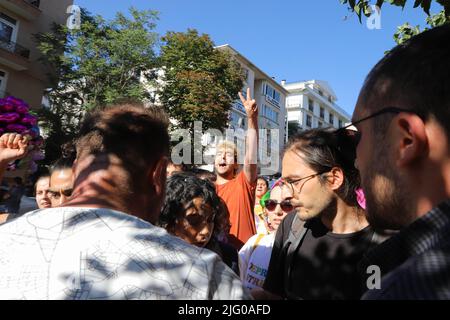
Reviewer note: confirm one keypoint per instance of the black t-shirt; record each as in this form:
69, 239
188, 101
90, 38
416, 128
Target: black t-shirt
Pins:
227, 252
324, 266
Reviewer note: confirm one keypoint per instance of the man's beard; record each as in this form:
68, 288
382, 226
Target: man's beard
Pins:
387, 207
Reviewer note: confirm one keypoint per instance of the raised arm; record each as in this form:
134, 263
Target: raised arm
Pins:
251, 147
13, 146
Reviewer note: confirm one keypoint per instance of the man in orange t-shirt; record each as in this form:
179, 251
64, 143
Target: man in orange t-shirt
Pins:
238, 191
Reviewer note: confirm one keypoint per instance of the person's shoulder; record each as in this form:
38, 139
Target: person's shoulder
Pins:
423, 276
287, 221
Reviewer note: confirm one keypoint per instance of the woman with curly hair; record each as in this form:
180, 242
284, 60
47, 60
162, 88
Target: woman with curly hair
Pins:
193, 212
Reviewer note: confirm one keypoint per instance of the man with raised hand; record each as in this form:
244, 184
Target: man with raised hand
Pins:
237, 190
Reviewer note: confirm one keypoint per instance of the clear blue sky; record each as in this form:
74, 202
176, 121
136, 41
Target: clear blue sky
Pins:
288, 39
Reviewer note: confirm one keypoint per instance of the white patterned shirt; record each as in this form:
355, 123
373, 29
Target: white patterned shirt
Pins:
86, 253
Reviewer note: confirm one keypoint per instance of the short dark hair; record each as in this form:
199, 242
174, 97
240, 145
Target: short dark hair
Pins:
414, 75
181, 189
136, 134
324, 149
265, 181
43, 176
204, 174
62, 164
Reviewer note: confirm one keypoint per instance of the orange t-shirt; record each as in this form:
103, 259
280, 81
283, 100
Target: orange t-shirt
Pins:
239, 196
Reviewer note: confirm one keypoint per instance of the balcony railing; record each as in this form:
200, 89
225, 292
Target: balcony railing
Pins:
14, 48
34, 3
4, 94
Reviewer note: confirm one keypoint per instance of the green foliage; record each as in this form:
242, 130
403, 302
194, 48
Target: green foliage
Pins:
200, 82
293, 128
405, 31
98, 64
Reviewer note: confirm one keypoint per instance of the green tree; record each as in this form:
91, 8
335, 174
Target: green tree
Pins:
405, 31
199, 82
99, 63
293, 128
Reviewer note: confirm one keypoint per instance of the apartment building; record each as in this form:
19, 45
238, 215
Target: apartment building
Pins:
312, 104
271, 99
21, 73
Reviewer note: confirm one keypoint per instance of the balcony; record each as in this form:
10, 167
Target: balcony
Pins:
27, 9
14, 55
4, 94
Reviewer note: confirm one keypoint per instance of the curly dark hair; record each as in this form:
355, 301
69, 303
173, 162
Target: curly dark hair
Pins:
181, 189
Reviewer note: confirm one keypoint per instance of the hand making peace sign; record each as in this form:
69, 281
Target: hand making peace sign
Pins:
250, 105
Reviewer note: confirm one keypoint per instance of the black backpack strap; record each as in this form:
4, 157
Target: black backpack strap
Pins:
297, 233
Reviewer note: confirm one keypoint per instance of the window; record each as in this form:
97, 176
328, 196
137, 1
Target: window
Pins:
246, 73
3, 80
322, 113
270, 114
321, 93
340, 123
269, 91
276, 96
308, 121
331, 118
330, 99
311, 105
8, 28
273, 95
235, 119
319, 124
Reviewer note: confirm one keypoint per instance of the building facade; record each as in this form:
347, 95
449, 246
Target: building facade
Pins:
270, 97
312, 104
21, 73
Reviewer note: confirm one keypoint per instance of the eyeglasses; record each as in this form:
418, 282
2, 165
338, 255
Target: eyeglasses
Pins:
285, 205
56, 194
294, 184
355, 135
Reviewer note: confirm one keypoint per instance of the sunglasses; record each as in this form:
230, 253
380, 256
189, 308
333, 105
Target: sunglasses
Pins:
285, 205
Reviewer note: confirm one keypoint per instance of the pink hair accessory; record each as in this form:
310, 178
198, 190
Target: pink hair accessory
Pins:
361, 198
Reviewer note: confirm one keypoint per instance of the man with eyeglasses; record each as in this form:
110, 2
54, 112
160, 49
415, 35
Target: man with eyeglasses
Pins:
403, 119
318, 247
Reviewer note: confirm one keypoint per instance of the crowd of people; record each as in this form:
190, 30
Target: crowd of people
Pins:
118, 220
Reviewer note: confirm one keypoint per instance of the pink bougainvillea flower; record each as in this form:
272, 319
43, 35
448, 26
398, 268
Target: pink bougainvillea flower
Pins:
22, 109
9, 117
28, 119
16, 128
8, 107
15, 101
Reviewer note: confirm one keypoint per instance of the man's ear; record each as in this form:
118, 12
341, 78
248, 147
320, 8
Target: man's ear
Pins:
411, 139
158, 175
335, 178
